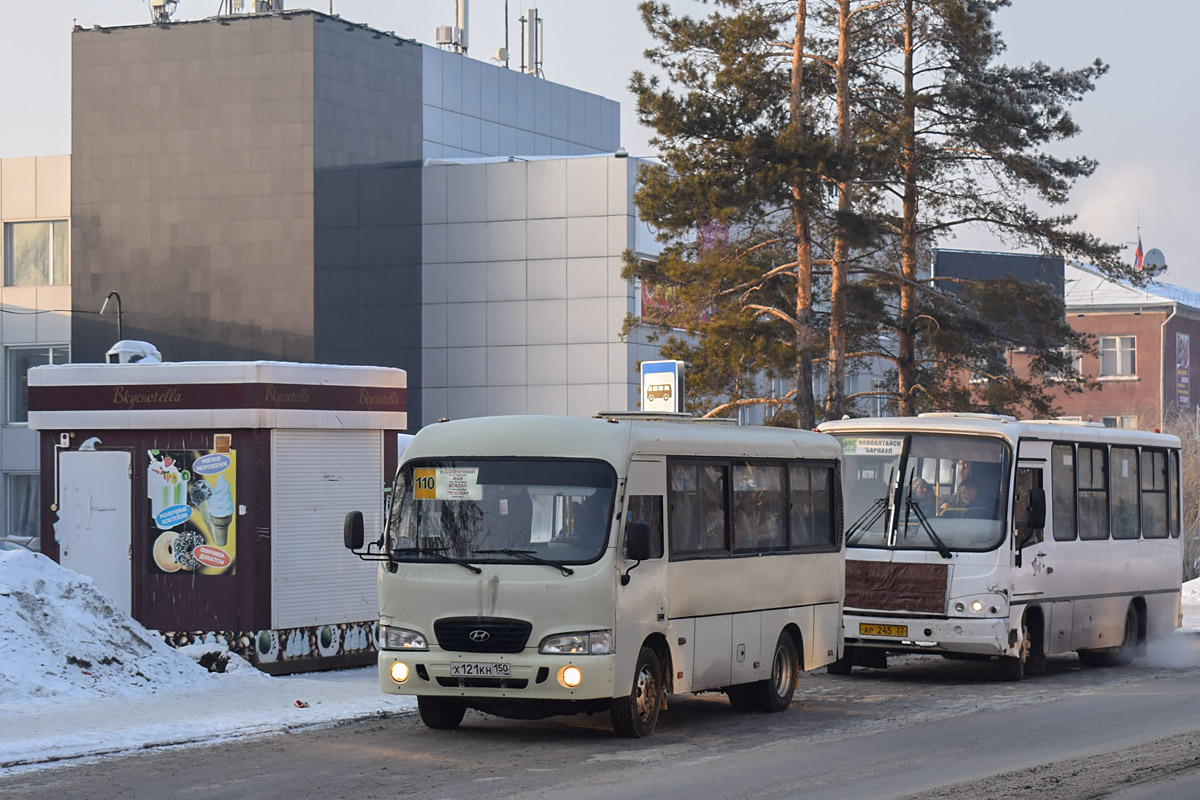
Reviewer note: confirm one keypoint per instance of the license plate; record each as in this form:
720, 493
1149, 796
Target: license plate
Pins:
461, 670
865, 629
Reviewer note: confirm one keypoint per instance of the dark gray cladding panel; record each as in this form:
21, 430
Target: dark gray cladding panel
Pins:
981, 265
367, 291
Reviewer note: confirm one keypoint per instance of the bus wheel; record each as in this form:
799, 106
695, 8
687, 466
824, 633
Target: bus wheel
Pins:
741, 697
439, 713
1120, 656
843, 666
775, 693
636, 714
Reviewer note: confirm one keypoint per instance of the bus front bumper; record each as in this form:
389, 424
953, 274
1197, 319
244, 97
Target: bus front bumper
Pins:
980, 637
519, 676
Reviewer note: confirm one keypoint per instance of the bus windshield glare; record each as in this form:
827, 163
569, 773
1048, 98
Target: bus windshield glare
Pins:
924, 491
501, 510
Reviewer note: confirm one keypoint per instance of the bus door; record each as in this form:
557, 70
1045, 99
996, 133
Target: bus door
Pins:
1035, 558
642, 587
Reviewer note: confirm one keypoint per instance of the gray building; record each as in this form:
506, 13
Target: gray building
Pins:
35, 323
254, 187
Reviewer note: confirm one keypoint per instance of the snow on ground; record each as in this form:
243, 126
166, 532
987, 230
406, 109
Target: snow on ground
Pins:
80, 679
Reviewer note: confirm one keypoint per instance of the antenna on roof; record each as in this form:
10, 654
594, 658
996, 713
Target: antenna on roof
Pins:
161, 10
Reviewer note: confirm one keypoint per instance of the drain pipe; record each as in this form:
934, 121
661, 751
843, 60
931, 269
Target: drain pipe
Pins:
1162, 352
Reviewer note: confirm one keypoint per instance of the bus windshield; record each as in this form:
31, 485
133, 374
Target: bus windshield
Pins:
924, 491
501, 510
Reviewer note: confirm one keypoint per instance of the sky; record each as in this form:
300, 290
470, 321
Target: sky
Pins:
1138, 123
80, 680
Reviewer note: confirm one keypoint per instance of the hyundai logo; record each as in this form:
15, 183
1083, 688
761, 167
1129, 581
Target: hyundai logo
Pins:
479, 636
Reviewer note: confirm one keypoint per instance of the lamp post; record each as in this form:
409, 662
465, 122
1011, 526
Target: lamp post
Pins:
111, 295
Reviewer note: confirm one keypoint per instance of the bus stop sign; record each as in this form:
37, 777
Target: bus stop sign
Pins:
662, 386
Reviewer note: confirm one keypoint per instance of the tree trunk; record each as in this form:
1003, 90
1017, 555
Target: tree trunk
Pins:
836, 397
806, 417
906, 364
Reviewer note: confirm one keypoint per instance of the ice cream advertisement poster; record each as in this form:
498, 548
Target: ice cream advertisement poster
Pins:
193, 511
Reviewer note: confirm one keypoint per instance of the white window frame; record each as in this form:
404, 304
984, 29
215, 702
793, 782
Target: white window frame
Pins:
47, 279
1127, 421
11, 380
32, 540
1125, 350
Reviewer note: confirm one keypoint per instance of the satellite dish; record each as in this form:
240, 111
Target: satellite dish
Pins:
1154, 258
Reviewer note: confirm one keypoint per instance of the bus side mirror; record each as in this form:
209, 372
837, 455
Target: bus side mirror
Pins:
637, 540
352, 531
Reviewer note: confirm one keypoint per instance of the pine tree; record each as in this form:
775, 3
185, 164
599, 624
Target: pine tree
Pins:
744, 150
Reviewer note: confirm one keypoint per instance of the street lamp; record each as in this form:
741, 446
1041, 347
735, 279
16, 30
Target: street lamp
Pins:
111, 295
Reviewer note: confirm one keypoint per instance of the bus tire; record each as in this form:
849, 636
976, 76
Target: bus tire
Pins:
1012, 668
1116, 656
1123, 655
741, 697
635, 715
775, 693
439, 713
843, 666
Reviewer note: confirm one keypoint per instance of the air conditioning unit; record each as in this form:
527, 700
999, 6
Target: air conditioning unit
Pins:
447, 34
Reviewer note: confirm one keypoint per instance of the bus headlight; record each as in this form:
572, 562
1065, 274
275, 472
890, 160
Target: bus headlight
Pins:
402, 639
399, 671
570, 676
988, 605
595, 643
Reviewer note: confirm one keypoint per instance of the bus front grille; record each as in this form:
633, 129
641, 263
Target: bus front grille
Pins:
482, 634
483, 683
896, 587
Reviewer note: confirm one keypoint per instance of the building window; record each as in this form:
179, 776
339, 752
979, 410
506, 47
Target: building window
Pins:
37, 253
1075, 367
19, 360
1118, 356
21, 504
1120, 421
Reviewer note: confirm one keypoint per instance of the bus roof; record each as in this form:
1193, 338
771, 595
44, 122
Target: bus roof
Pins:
612, 439
1002, 425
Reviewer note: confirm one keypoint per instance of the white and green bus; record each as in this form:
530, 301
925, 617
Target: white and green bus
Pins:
533, 566
982, 536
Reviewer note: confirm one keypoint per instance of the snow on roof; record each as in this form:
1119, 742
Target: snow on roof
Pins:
1088, 287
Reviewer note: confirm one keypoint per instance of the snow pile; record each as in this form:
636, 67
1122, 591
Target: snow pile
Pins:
63, 636
1191, 593
80, 679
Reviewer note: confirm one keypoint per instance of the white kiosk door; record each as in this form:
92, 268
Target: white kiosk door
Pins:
94, 520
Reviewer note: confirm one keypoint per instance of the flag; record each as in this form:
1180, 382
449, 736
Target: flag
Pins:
1138, 255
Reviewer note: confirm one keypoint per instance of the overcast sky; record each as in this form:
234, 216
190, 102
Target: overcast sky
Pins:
1138, 123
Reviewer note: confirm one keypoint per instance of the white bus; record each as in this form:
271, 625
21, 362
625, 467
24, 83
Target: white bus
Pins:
533, 566
979, 536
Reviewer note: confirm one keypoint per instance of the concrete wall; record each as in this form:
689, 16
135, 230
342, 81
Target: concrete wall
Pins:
192, 175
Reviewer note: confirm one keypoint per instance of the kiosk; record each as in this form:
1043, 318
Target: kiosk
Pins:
207, 498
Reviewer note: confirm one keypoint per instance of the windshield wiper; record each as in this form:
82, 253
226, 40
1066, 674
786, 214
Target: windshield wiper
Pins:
868, 518
528, 556
437, 553
915, 508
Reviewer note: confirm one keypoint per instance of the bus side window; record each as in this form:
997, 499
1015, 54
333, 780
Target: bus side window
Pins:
648, 508
1027, 479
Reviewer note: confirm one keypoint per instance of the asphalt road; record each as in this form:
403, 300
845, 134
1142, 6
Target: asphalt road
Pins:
925, 726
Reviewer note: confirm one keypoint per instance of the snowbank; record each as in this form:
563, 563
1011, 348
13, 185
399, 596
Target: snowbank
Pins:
63, 636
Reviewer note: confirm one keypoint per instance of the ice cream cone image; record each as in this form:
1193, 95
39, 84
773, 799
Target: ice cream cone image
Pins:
218, 511
220, 529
